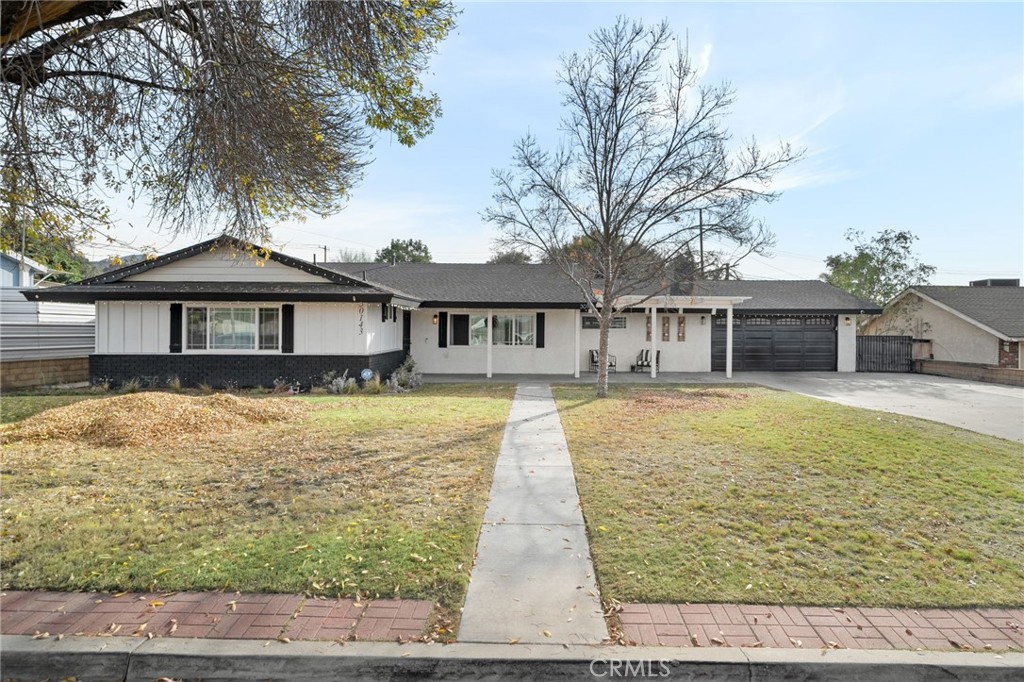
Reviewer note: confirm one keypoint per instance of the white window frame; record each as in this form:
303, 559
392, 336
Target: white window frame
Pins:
209, 329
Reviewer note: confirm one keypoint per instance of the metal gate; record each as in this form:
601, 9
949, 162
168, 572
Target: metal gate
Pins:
885, 354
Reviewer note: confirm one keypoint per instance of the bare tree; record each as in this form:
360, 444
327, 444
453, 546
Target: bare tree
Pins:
227, 114
644, 152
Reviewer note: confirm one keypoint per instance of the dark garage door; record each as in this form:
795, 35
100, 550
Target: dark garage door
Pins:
776, 343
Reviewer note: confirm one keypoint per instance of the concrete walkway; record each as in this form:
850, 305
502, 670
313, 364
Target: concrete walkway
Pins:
533, 581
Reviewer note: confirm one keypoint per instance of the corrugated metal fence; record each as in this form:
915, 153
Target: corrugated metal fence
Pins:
885, 354
43, 331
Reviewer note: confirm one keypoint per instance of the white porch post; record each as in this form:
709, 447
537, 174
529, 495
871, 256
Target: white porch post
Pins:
655, 330
490, 342
728, 342
577, 319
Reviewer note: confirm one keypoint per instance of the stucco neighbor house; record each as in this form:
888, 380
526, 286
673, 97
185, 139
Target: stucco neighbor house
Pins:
213, 313
980, 324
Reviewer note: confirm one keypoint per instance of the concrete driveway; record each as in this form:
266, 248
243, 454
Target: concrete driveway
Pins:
986, 408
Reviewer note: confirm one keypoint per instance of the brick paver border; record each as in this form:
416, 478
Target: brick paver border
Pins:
212, 615
706, 625
807, 627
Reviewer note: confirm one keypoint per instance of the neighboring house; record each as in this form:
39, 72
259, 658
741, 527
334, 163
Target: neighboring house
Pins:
214, 313
981, 324
40, 342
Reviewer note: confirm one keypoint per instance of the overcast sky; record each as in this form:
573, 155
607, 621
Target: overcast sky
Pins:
912, 116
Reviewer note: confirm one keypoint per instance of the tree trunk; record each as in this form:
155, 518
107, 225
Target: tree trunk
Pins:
602, 354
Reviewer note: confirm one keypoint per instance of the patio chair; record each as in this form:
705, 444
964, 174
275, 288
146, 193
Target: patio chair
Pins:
594, 361
643, 360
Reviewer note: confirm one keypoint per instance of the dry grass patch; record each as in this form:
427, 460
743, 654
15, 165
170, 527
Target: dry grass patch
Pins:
771, 497
144, 418
367, 495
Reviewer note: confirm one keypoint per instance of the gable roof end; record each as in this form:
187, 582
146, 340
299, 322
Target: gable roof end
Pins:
211, 245
996, 310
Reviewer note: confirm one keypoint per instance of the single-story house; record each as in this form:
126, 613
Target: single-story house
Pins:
216, 313
980, 324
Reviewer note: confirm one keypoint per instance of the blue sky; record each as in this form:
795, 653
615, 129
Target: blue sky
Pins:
912, 116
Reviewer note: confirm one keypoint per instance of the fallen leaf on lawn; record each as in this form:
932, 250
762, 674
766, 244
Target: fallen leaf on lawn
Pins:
417, 557
119, 594
603, 529
749, 586
301, 548
156, 603
514, 640
232, 605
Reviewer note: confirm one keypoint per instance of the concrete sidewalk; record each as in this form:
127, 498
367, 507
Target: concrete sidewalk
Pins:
533, 581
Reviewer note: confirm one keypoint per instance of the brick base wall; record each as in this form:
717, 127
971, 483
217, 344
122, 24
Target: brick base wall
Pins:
1009, 354
242, 371
27, 373
964, 370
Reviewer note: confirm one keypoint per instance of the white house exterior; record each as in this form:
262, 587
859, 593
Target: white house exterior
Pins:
223, 313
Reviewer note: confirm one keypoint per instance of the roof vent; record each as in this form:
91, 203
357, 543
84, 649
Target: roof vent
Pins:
996, 283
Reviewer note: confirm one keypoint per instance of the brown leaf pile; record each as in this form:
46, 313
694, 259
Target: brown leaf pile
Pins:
700, 400
143, 418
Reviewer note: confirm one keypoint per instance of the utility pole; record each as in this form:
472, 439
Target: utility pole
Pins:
700, 212
325, 253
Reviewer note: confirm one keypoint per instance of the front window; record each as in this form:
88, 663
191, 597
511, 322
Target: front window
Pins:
233, 328
513, 330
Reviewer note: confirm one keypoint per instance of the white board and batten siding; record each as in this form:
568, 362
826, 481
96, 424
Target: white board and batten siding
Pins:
224, 266
133, 327
345, 329
142, 327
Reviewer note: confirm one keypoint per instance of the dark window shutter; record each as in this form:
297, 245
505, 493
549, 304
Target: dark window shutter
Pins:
540, 330
383, 312
175, 346
287, 328
442, 330
460, 330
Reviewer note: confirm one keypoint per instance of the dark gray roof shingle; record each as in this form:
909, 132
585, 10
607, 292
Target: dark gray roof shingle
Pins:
788, 295
999, 308
471, 283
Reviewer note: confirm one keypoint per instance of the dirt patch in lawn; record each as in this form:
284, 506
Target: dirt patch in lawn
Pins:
698, 400
143, 418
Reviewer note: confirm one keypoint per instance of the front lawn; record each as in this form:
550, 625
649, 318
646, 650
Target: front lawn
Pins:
364, 495
756, 496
